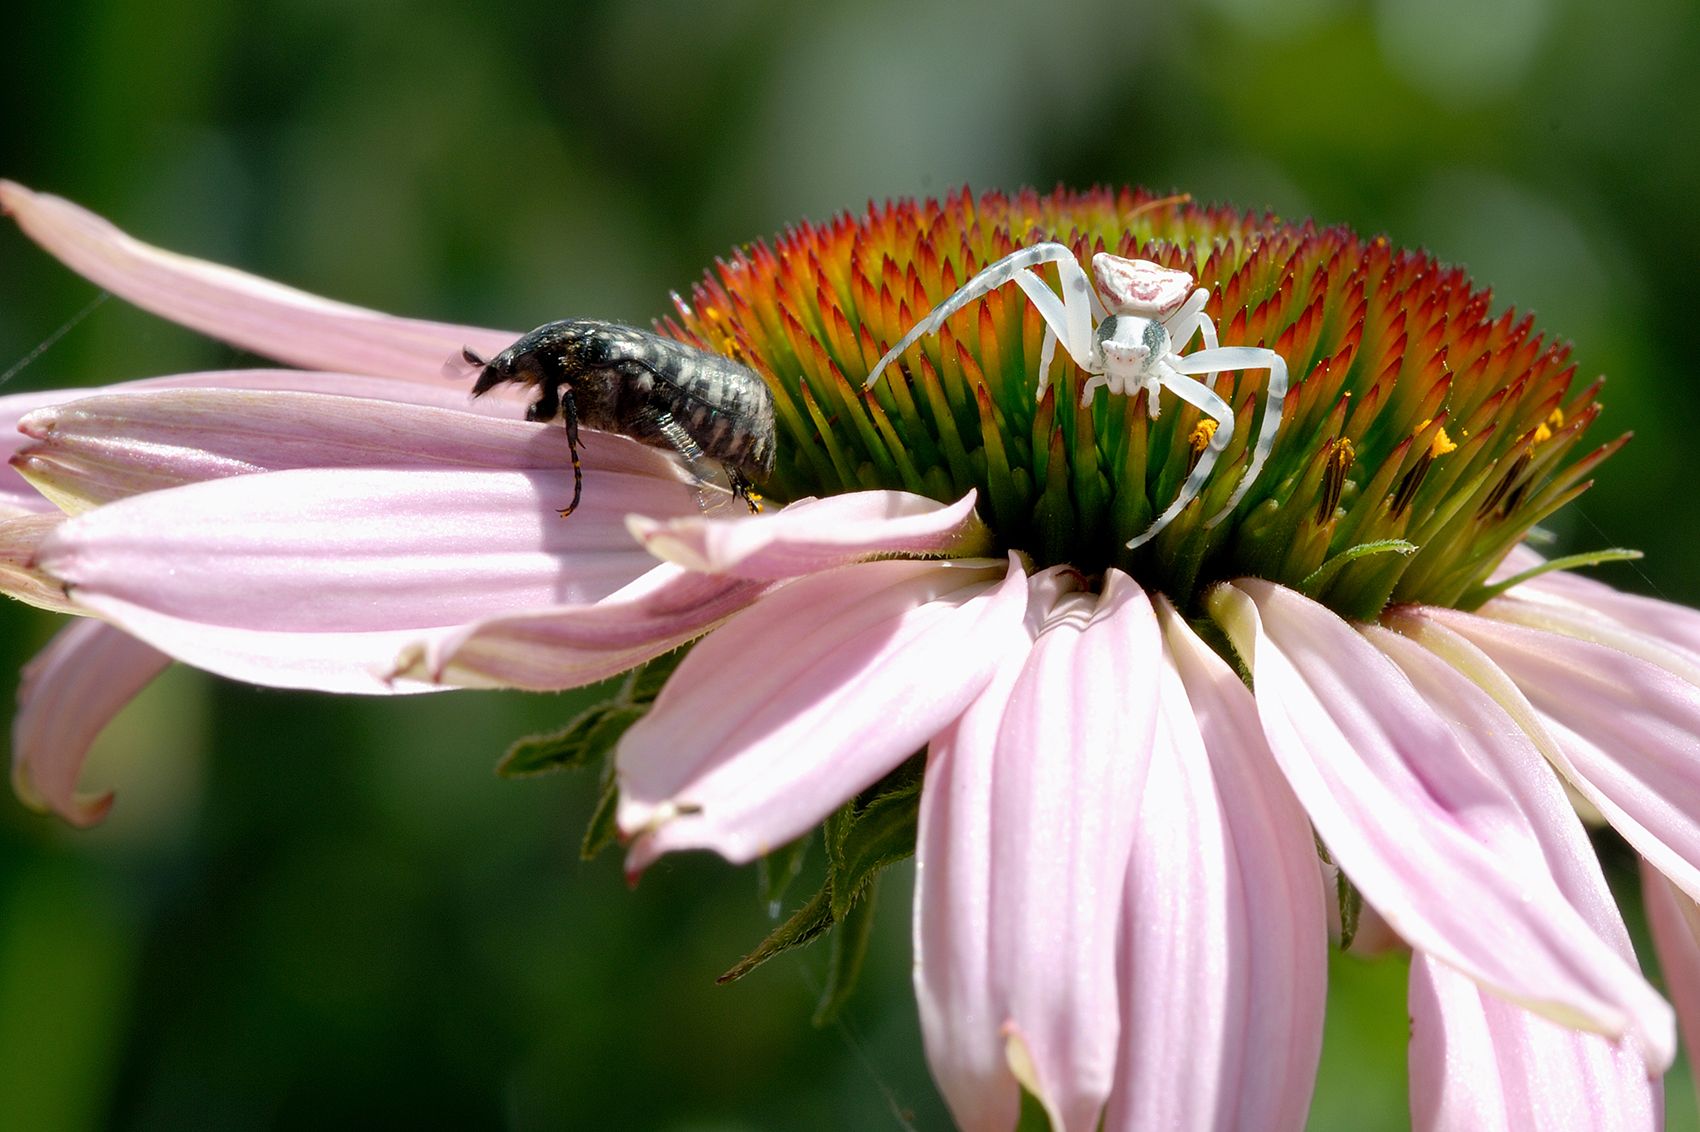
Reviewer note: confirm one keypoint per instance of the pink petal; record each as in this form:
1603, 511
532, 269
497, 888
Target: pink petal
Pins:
811, 534
1666, 621
20, 538
1619, 716
244, 310
17, 494
580, 644
1428, 835
1481, 703
961, 1008
321, 577
1481, 1064
1675, 922
102, 448
1071, 739
1518, 559
1225, 962
807, 697
69, 693
1527, 1071
574, 645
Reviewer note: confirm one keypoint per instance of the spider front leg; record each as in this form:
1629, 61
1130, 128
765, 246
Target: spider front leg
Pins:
1213, 406
1245, 357
1074, 323
1190, 319
1061, 322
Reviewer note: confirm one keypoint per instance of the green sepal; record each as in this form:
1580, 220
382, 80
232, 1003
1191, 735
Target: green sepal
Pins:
863, 838
778, 869
643, 683
1351, 907
849, 950
1477, 595
1033, 1117
594, 731
580, 744
806, 924
1346, 897
603, 829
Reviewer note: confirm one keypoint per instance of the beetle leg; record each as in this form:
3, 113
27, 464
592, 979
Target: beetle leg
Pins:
547, 406
744, 489
699, 465
571, 409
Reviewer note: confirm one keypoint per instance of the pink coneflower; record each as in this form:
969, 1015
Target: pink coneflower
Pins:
1138, 764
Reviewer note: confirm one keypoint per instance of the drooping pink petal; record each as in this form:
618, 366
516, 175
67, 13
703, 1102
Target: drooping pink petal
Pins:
810, 532
1225, 958
94, 450
962, 1011
570, 646
1070, 738
1618, 714
17, 495
20, 537
68, 694
809, 696
321, 577
1666, 621
1522, 1070
244, 310
567, 647
1481, 1064
1439, 846
1675, 922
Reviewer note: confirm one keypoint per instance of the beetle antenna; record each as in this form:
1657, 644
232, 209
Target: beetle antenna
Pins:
460, 366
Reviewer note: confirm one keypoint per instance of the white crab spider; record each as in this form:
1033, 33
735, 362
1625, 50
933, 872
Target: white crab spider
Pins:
1147, 314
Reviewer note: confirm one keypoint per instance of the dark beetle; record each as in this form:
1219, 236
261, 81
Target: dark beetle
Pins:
657, 391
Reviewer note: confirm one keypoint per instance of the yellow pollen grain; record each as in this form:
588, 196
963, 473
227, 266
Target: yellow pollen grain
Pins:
1202, 434
1441, 444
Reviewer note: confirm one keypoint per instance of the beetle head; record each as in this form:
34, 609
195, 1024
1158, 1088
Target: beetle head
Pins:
529, 360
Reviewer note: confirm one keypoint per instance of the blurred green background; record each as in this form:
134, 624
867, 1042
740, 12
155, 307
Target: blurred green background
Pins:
329, 912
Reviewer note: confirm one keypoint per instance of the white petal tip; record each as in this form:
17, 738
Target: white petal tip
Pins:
80, 810
652, 535
415, 662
